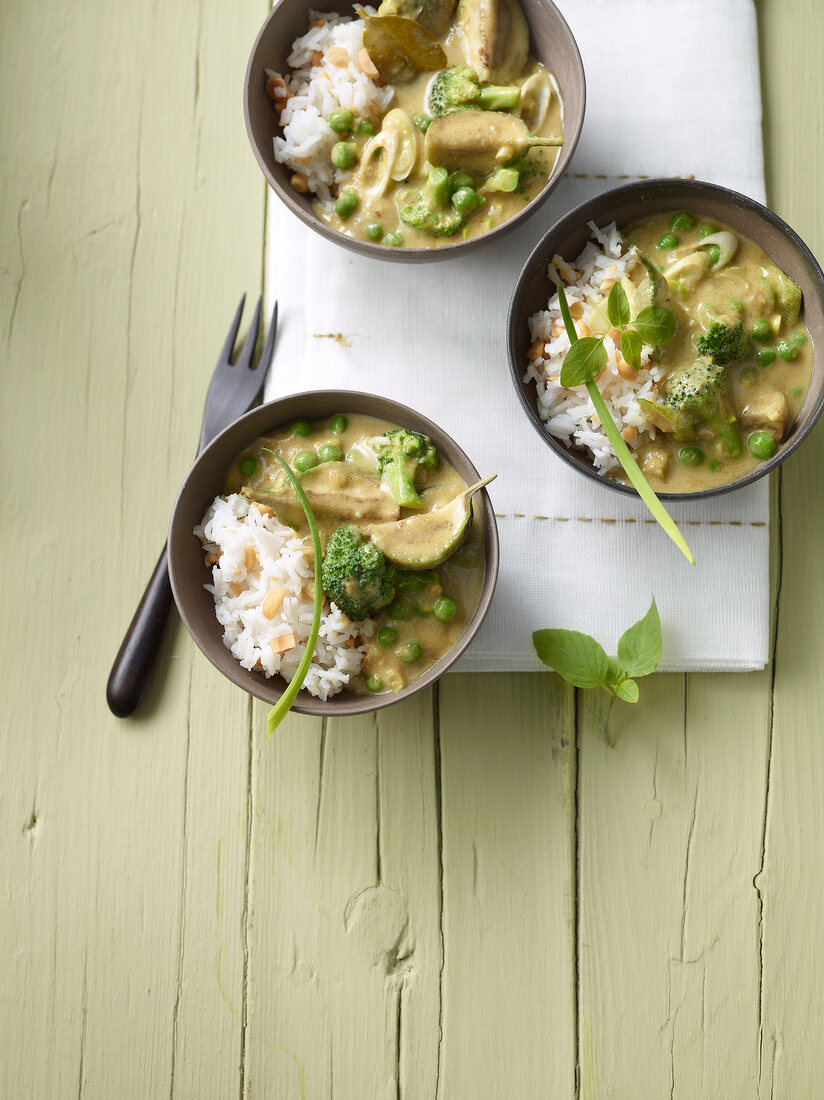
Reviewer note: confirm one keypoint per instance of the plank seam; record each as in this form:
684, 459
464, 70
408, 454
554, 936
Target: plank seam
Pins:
244, 1013
183, 881
436, 725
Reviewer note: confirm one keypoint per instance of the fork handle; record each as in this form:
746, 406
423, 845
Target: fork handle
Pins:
138, 653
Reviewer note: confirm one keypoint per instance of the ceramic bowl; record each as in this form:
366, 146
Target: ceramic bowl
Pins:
625, 205
551, 42
205, 481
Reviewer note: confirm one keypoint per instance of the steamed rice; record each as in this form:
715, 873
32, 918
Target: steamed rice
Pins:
254, 555
568, 414
315, 90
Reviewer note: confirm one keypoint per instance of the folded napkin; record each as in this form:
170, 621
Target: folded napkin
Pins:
573, 554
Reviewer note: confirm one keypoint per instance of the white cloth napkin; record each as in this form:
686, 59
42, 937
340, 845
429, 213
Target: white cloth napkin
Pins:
672, 90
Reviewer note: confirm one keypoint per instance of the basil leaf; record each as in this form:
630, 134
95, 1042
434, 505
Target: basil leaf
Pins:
618, 306
655, 325
615, 674
584, 361
631, 344
627, 690
576, 657
639, 648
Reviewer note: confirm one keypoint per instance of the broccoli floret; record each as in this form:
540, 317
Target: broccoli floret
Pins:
355, 574
429, 208
400, 454
723, 344
460, 88
699, 393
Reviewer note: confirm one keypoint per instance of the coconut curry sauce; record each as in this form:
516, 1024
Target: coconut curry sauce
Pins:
716, 276
338, 464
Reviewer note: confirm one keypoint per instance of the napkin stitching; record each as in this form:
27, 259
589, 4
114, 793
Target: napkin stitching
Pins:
631, 519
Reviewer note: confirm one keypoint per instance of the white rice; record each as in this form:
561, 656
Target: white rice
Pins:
568, 414
230, 526
315, 90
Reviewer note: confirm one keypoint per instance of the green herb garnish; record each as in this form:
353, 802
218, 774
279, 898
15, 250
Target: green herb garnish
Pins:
583, 662
585, 360
284, 704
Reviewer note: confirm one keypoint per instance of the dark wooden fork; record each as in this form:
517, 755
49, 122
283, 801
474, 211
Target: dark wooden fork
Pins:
234, 389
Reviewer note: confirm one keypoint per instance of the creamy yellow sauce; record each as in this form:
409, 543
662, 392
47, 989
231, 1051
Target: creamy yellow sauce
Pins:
381, 209
410, 615
762, 397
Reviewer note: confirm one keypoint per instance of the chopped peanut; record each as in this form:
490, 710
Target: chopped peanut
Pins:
607, 284
367, 65
576, 310
317, 23
212, 559
556, 331
339, 56
615, 335
625, 369
250, 558
536, 350
276, 90
284, 642
584, 329
236, 588
317, 58
300, 184
272, 603
629, 433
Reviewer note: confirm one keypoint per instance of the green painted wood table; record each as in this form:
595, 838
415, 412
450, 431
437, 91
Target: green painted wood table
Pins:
466, 896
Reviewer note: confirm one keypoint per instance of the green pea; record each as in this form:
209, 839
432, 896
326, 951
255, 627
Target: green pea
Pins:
387, 636
423, 122
761, 330
445, 609
691, 456
302, 428
668, 241
305, 460
341, 120
364, 127
747, 376
465, 200
797, 391
247, 465
373, 231
460, 179
393, 239
338, 424
762, 445
736, 305
681, 221
400, 610
707, 229
424, 607
374, 683
714, 253
411, 652
765, 356
330, 452
344, 154
800, 338
787, 350
713, 464
346, 203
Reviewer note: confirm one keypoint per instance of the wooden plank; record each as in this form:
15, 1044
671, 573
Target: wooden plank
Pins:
789, 875
508, 818
344, 925
123, 163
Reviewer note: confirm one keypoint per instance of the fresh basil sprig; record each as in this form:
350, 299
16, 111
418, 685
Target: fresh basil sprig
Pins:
584, 361
583, 662
284, 704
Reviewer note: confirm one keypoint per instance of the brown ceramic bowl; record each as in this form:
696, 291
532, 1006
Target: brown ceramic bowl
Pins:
625, 205
551, 43
205, 481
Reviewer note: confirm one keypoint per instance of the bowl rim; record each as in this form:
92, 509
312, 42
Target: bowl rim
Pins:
272, 688
584, 212
444, 251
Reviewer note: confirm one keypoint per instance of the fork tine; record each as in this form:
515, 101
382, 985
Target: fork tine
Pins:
248, 350
226, 351
269, 346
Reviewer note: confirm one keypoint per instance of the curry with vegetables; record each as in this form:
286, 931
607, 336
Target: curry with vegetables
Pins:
739, 364
402, 554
